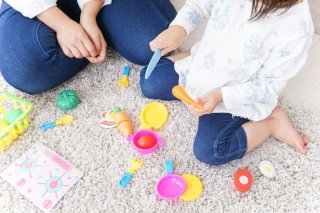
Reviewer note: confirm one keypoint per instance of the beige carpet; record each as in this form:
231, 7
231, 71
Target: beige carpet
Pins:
104, 155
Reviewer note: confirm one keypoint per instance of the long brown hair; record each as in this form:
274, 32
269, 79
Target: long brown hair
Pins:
261, 8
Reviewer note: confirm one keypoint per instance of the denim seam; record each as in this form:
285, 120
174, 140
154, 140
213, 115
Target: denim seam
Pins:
38, 40
234, 153
161, 14
240, 136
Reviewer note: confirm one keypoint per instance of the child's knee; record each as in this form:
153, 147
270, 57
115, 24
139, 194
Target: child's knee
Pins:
147, 86
208, 155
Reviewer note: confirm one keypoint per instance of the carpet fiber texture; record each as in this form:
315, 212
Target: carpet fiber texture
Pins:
104, 155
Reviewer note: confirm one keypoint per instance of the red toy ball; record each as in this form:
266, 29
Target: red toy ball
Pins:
242, 180
146, 141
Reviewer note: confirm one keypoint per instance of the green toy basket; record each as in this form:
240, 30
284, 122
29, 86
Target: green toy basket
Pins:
10, 132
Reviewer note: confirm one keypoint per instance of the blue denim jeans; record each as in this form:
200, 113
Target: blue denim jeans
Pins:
32, 61
220, 137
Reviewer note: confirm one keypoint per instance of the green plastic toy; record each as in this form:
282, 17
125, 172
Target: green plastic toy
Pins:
12, 116
67, 100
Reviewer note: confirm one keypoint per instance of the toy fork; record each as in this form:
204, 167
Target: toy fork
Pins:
124, 80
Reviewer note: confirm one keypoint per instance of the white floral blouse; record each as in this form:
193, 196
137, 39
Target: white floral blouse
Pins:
251, 61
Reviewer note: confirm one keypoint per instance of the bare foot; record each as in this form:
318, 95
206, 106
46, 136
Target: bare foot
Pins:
285, 132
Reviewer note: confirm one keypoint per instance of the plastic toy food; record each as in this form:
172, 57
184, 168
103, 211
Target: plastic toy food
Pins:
180, 93
122, 122
193, 189
171, 186
267, 169
67, 100
12, 116
154, 116
242, 180
146, 141
107, 120
63, 121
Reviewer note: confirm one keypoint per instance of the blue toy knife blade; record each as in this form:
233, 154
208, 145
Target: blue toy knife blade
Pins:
153, 62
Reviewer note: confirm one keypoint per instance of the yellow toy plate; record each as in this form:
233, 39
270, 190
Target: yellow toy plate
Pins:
154, 116
193, 189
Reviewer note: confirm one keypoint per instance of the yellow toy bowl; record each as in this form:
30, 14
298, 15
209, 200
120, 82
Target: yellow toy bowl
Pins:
10, 132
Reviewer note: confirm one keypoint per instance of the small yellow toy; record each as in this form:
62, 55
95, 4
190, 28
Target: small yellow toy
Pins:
19, 122
124, 80
63, 121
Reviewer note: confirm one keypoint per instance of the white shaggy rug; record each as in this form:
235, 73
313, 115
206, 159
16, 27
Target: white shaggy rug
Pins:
104, 155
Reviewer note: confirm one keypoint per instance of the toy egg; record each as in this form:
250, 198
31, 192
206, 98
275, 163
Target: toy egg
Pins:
67, 100
267, 169
146, 141
12, 116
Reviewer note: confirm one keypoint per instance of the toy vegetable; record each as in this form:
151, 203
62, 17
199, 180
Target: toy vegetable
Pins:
122, 121
67, 100
12, 116
180, 93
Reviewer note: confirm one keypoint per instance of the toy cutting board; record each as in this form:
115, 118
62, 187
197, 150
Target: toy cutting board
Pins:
42, 176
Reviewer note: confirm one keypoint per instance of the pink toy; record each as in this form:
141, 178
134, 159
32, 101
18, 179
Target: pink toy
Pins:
171, 186
146, 141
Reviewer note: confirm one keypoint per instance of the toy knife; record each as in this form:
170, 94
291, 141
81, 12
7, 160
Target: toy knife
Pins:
153, 62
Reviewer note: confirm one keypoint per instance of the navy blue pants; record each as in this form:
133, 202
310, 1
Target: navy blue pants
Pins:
32, 61
220, 137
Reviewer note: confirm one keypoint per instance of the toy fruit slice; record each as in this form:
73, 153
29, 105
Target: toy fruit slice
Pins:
193, 188
242, 180
267, 169
180, 93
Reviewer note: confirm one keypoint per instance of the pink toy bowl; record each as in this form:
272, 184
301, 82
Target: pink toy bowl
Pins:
171, 187
146, 141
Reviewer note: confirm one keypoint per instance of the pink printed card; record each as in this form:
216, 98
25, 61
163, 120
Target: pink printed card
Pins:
42, 176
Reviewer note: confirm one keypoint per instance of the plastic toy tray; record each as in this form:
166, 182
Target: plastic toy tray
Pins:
12, 131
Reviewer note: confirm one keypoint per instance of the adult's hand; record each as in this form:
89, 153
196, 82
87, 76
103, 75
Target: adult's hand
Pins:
88, 21
71, 36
